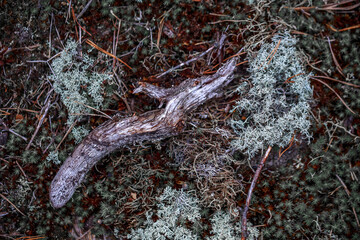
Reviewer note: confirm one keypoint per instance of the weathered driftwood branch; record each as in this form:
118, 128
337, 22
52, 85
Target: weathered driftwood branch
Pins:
158, 124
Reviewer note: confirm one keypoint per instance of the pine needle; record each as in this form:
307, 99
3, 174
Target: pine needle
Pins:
106, 52
335, 94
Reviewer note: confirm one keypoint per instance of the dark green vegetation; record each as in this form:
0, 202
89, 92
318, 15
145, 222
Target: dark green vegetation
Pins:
310, 192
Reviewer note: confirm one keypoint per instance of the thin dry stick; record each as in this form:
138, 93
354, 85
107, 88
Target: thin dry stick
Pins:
186, 63
21, 109
160, 32
12, 204
301, 8
345, 187
104, 114
76, 21
116, 42
16, 134
22, 170
4, 160
348, 193
238, 64
112, 13
87, 114
343, 128
84, 10
317, 69
67, 133
335, 94
329, 7
47, 106
291, 143
211, 68
51, 23
30, 238
288, 80
211, 72
356, 217
106, 52
227, 20
334, 59
6, 113
275, 50
83, 235
272, 53
248, 199
334, 7
298, 32
343, 29
336, 80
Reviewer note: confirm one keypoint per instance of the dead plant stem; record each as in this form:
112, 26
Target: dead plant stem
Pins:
251, 189
42, 118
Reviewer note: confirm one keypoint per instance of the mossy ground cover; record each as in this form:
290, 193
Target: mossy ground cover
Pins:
304, 191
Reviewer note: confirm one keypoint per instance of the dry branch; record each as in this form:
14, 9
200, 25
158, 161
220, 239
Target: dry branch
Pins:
251, 189
117, 133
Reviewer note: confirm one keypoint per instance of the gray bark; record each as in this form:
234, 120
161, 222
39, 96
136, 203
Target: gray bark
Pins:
154, 125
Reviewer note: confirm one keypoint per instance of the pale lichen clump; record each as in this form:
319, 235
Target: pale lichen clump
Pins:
77, 85
175, 209
276, 107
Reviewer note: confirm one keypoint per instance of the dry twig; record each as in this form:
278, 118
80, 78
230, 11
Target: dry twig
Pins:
248, 199
186, 63
335, 94
12, 205
106, 52
44, 112
336, 80
334, 59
